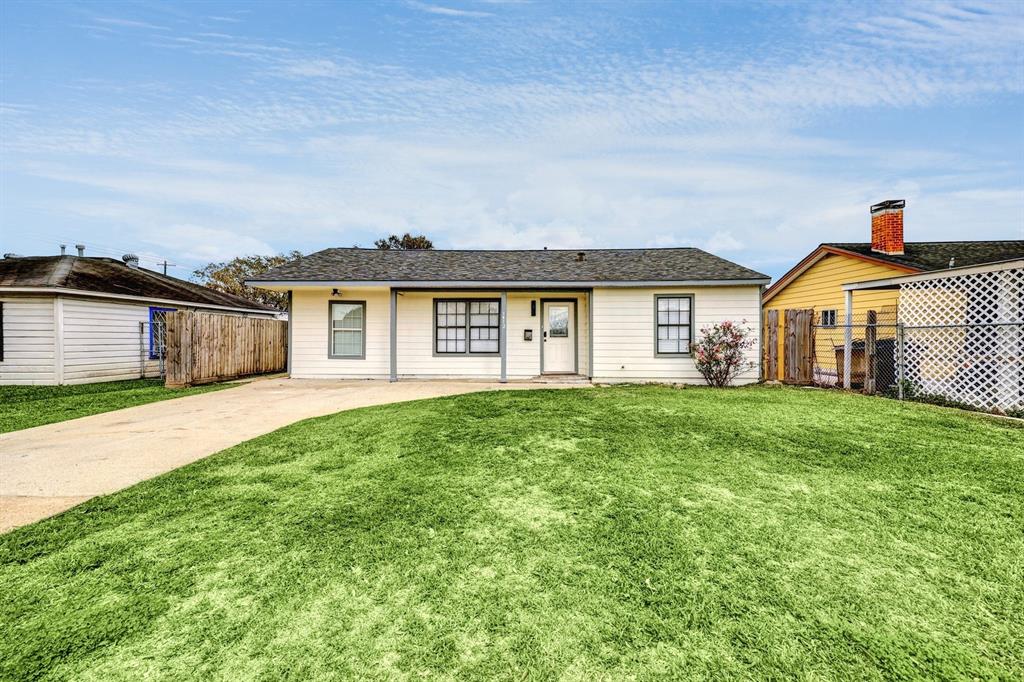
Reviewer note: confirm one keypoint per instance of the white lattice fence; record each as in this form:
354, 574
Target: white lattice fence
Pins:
964, 337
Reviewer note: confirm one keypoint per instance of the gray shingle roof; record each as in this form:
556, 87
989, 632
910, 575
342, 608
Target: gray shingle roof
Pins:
109, 276
928, 256
435, 265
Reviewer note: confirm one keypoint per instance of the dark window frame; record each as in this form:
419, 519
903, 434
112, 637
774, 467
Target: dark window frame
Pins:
330, 332
468, 327
689, 326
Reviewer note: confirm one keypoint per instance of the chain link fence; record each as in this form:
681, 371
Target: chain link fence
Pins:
975, 365
873, 365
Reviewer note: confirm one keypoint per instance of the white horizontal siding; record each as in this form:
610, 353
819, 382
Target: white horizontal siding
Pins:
310, 335
416, 341
624, 332
415, 347
99, 340
102, 341
524, 356
29, 341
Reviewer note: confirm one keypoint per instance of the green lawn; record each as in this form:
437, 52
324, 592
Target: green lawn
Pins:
606, 533
22, 407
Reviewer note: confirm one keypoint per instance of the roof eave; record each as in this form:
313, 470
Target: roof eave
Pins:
924, 276
815, 256
65, 291
502, 284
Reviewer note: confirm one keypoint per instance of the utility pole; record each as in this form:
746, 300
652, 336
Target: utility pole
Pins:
165, 264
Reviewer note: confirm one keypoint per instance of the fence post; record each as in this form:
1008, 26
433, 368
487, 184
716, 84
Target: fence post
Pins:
870, 336
900, 359
848, 342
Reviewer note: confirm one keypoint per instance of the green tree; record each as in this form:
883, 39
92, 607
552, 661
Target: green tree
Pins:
406, 242
229, 277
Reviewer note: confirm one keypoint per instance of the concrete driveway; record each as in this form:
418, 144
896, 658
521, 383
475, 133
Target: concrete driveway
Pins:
47, 469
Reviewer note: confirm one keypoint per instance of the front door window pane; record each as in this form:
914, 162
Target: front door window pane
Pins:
558, 321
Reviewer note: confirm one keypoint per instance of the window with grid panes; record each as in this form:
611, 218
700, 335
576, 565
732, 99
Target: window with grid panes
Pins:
467, 326
348, 329
484, 326
673, 325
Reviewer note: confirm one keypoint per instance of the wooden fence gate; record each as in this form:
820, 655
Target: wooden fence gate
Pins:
207, 347
798, 347
797, 361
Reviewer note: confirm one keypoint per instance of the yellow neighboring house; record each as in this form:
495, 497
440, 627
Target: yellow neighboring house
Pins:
816, 281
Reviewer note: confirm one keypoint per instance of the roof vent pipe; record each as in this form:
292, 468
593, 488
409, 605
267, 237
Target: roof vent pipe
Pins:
63, 249
580, 256
81, 249
131, 260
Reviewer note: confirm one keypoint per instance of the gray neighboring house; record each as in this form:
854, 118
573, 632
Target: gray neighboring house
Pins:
77, 319
608, 315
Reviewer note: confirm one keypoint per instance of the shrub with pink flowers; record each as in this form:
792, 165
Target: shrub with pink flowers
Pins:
719, 352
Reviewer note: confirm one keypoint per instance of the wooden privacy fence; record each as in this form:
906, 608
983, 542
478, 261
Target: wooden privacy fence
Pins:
770, 346
797, 361
206, 347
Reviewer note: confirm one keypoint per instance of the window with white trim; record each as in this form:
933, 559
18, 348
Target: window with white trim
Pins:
470, 326
348, 329
673, 324
828, 318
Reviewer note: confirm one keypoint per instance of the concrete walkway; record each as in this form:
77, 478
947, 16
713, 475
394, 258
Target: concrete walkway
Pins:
47, 469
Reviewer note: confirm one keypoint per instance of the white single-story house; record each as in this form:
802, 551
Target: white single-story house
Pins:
608, 315
77, 319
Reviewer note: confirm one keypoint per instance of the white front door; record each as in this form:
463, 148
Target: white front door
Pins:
559, 337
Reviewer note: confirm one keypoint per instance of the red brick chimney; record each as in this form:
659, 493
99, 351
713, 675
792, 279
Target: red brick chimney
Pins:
887, 227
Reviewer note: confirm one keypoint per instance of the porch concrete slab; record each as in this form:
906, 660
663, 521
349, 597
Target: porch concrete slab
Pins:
48, 469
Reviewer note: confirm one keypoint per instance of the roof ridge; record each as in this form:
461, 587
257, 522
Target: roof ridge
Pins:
631, 248
950, 241
61, 270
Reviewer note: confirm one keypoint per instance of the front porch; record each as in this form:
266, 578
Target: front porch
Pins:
490, 334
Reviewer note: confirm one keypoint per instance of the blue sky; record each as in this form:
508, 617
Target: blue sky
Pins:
200, 131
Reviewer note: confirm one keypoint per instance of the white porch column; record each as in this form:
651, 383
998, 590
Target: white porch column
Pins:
503, 336
291, 326
848, 340
393, 345
590, 334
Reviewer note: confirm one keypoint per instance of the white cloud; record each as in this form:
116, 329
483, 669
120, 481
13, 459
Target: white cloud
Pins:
446, 11
204, 244
580, 147
722, 241
129, 23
